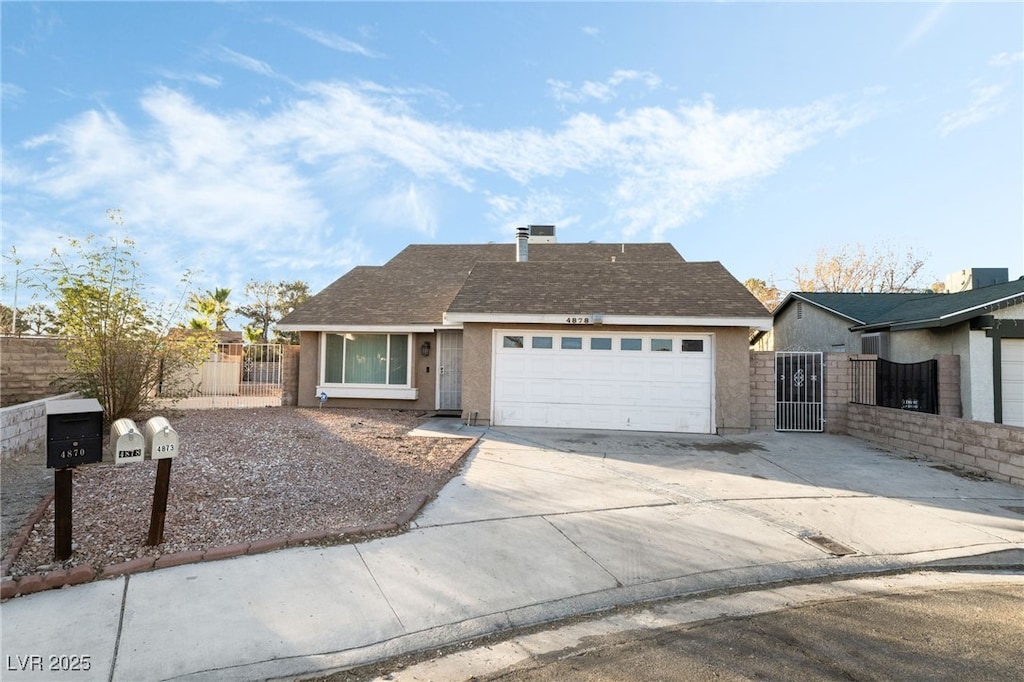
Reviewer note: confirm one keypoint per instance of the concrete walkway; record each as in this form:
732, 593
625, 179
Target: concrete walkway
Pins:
541, 524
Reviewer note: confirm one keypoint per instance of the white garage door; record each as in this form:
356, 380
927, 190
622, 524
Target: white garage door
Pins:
1013, 381
593, 380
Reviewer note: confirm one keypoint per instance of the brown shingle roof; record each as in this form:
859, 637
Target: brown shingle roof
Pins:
424, 281
662, 289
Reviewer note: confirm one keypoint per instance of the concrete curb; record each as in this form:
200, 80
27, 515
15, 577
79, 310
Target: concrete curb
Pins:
451, 636
58, 578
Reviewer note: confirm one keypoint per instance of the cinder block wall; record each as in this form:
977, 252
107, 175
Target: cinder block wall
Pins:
290, 375
995, 450
762, 391
28, 367
950, 403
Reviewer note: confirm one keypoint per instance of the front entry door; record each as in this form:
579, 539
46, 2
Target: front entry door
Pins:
449, 370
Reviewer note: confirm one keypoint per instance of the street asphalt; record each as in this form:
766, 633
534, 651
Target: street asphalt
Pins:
540, 525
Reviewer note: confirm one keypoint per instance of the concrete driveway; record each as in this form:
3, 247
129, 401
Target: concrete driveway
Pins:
540, 525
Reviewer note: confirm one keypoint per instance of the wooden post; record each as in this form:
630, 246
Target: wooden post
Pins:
156, 519
62, 513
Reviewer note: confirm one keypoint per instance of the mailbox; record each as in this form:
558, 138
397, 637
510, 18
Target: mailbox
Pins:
161, 439
126, 443
74, 432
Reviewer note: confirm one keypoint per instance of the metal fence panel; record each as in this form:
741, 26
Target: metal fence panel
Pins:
903, 386
234, 375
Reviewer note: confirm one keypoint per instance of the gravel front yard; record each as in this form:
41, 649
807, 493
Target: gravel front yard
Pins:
244, 475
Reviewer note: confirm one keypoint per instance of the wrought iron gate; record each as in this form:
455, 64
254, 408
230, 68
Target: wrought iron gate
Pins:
234, 375
799, 387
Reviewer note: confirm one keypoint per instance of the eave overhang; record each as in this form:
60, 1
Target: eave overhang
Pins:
363, 328
596, 320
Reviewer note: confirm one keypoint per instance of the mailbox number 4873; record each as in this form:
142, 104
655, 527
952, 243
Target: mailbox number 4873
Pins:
165, 448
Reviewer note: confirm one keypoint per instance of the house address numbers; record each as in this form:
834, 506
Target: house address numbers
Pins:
579, 319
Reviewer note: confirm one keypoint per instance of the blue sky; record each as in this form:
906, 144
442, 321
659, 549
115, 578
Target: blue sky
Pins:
290, 141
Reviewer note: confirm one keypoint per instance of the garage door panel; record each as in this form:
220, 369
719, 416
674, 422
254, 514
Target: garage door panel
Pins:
631, 368
664, 393
543, 367
695, 420
512, 390
602, 368
1012, 370
604, 389
662, 368
544, 392
604, 393
571, 391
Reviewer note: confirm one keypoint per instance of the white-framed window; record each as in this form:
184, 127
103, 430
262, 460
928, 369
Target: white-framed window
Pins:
366, 360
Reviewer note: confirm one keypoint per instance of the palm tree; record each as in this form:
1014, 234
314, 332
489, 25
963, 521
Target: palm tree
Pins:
213, 308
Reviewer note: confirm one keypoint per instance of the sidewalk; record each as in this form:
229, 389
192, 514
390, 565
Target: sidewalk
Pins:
541, 524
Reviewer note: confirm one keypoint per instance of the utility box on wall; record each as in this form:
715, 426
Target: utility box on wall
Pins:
74, 433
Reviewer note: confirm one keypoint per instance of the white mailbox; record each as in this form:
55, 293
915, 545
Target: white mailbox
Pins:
161, 438
126, 442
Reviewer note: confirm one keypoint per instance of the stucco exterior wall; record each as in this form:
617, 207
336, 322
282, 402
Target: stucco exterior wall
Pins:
732, 380
423, 371
476, 371
813, 329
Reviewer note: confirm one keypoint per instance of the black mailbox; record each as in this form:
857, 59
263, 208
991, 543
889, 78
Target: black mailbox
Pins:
74, 432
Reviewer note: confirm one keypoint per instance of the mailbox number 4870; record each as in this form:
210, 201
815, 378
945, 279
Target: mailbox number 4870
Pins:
72, 453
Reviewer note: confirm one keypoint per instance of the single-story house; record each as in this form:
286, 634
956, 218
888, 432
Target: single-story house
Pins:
984, 326
536, 333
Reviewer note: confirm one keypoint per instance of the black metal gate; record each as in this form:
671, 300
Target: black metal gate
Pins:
799, 387
913, 386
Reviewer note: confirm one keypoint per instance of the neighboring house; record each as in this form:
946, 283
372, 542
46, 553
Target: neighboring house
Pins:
537, 333
984, 326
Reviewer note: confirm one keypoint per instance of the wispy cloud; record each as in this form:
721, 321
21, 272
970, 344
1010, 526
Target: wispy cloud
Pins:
591, 30
404, 207
985, 104
11, 93
335, 42
246, 62
531, 206
1006, 59
226, 176
200, 78
603, 91
925, 25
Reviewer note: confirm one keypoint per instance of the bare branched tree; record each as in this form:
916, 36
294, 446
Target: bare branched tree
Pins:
853, 269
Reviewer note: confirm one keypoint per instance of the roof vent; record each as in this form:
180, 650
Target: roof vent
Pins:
522, 237
976, 278
542, 234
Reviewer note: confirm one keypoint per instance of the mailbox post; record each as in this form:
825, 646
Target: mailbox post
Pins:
74, 435
162, 445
